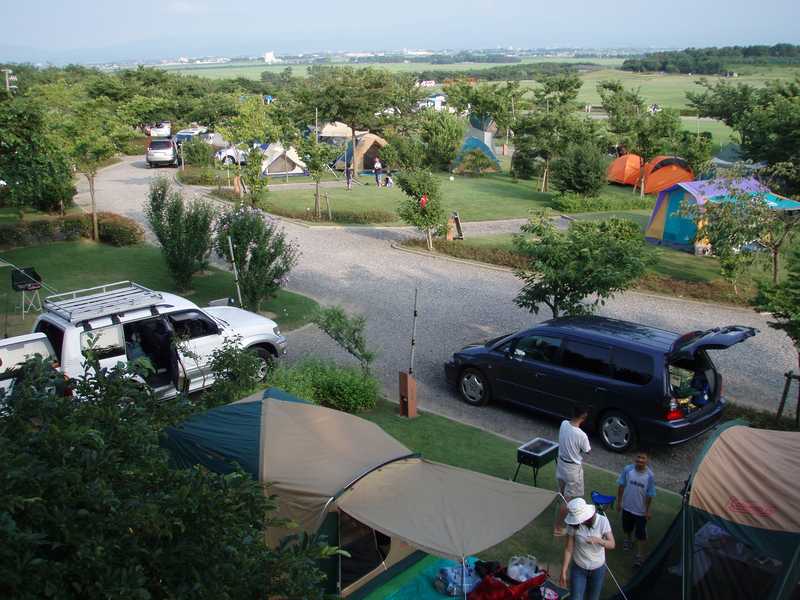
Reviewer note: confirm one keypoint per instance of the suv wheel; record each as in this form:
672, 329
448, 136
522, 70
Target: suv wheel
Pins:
616, 431
474, 387
228, 160
265, 360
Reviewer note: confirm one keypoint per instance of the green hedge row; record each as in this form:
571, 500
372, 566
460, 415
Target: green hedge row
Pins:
113, 229
573, 203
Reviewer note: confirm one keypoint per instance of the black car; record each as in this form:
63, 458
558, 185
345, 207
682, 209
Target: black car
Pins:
642, 383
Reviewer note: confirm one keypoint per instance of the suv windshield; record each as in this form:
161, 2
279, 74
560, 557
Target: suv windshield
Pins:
161, 145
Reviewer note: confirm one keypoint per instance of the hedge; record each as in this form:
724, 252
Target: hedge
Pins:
573, 203
113, 229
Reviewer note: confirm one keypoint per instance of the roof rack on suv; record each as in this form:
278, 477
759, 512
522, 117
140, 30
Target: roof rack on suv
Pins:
101, 301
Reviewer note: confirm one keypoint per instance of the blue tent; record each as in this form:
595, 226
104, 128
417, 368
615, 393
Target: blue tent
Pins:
471, 144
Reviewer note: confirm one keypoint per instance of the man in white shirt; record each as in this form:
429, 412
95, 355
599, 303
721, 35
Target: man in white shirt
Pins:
588, 538
637, 488
572, 444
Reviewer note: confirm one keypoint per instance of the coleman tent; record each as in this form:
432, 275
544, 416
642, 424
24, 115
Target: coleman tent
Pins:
668, 226
665, 171
368, 147
344, 477
279, 161
625, 170
473, 144
738, 533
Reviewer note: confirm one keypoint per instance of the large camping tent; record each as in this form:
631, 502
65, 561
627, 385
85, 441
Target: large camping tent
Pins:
279, 161
663, 172
473, 144
368, 148
668, 226
625, 170
343, 476
738, 533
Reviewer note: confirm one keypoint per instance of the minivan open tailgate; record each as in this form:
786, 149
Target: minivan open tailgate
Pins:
686, 346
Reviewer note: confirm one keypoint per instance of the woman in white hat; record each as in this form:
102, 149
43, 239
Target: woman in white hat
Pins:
588, 537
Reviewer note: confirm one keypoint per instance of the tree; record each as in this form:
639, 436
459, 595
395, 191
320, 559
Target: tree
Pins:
485, 101
262, 254
697, 150
442, 133
475, 163
348, 332
404, 153
591, 259
782, 301
318, 157
93, 509
183, 229
422, 205
580, 169
90, 149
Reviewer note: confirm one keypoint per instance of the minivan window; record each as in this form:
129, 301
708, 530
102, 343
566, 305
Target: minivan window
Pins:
632, 367
160, 145
54, 333
191, 325
105, 342
538, 347
587, 357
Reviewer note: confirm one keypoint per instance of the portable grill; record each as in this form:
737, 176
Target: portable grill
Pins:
535, 454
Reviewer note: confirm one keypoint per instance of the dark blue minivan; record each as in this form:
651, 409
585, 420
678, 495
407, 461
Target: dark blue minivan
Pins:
641, 383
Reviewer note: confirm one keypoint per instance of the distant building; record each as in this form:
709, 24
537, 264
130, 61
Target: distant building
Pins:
437, 102
427, 83
270, 59
183, 60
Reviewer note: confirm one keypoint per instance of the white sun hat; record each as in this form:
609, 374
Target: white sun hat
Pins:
579, 511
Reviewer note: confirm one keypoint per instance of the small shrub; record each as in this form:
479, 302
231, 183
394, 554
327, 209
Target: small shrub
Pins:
198, 175
118, 230
476, 163
350, 217
573, 203
581, 169
74, 228
346, 331
525, 162
43, 230
327, 384
16, 234
197, 152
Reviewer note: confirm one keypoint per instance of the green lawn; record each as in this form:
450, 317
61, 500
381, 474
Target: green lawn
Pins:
67, 266
442, 440
11, 215
485, 198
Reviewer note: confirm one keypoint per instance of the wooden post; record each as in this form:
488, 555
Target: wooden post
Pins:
328, 204
408, 395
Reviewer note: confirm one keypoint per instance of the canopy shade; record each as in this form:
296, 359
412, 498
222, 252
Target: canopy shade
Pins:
443, 510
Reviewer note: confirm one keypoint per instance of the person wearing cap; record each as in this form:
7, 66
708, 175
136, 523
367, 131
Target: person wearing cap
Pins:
589, 535
572, 444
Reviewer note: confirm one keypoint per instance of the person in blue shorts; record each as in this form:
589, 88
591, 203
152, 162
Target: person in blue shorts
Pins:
637, 488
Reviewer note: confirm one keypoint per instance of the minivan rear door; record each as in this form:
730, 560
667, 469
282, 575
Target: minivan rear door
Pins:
719, 338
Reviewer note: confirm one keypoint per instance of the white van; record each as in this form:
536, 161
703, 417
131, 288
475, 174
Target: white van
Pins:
14, 351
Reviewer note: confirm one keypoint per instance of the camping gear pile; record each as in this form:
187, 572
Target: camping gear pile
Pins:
480, 580
738, 533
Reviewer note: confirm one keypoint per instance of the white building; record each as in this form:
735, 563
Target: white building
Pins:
270, 59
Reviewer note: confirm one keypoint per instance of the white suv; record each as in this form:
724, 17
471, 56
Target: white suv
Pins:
124, 321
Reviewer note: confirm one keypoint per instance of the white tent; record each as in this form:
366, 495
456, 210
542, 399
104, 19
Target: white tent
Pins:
280, 161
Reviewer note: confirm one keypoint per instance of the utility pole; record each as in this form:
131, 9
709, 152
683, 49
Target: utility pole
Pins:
9, 78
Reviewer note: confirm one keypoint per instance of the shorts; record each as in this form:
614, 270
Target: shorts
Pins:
637, 523
570, 479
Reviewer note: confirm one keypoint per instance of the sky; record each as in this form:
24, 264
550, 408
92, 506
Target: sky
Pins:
97, 31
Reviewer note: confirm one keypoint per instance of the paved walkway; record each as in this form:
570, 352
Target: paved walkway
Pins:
460, 303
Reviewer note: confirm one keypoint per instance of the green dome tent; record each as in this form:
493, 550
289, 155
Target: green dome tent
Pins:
343, 476
738, 533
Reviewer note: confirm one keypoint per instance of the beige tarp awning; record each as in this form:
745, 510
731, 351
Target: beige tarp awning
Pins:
443, 510
750, 476
310, 453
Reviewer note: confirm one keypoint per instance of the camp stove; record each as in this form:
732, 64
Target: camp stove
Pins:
536, 453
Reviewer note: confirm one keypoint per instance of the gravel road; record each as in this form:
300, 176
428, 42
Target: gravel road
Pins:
459, 303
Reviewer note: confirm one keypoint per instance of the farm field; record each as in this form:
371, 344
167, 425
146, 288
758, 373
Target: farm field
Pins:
253, 70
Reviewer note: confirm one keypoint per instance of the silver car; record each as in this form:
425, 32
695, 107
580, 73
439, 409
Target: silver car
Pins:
162, 152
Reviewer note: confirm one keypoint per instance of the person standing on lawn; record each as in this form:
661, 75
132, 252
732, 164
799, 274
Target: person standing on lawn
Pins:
589, 535
348, 176
572, 444
637, 488
377, 167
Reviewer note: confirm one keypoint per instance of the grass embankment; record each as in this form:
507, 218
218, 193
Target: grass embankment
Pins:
446, 441
9, 215
68, 266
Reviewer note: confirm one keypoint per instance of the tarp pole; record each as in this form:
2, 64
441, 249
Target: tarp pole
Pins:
464, 577
235, 271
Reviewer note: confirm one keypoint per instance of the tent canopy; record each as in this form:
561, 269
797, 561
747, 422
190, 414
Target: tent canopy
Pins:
625, 170
662, 172
443, 510
668, 226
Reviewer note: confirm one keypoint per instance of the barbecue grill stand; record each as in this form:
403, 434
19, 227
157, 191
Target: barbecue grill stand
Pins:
536, 453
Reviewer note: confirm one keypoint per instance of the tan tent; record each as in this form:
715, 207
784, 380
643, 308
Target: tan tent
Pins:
368, 147
343, 476
279, 161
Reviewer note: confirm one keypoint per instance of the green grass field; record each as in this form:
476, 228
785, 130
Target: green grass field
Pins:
253, 70
442, 440
68, 266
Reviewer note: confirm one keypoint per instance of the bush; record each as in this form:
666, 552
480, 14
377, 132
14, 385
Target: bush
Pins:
574, 203
476, 163
428, 217
581, 169
202, 175
117, 230
348, 332
114, 229
361, 217
197, 152
325, 383
525, 163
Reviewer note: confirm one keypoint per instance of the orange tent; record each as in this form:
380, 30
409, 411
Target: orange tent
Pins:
625, 170
665, 171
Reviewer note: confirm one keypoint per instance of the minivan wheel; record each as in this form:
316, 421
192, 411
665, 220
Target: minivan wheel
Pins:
265, 361
474, 387
616, 431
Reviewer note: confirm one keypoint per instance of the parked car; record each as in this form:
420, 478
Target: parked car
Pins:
162, 129
184, 135
640, 382
14, 351
124, 321
162, 152
231, 156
